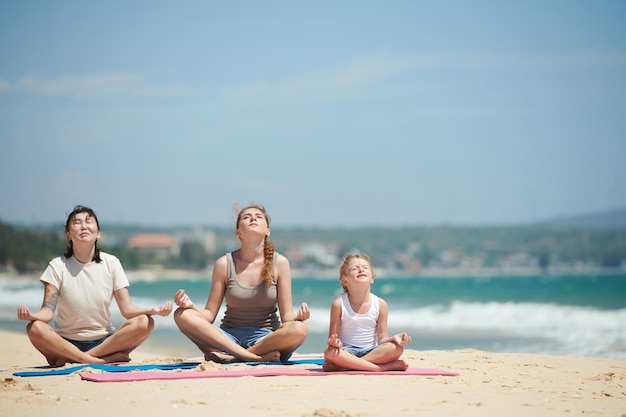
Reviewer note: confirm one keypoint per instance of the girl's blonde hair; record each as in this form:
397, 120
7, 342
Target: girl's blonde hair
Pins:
268, 246
346, 261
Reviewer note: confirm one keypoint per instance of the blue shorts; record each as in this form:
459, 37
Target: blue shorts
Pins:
359, 352
85, 345
246, 336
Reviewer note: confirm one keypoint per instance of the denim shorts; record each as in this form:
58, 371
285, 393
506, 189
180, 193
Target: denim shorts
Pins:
85, 345
359, 352
246, 336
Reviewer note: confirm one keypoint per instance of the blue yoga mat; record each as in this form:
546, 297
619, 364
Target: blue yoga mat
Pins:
111, 368
151, 367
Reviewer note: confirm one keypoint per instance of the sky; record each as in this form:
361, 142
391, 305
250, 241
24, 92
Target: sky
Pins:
330, 114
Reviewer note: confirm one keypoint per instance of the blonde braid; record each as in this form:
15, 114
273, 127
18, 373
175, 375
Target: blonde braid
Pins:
268, 264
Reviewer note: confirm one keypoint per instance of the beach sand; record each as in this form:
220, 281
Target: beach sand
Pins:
490, 384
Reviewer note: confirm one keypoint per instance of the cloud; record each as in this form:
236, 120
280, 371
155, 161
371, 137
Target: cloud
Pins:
4, 85
96, 86
577, 59
374, 68
246, 90
345, 76
342, 78
378, 67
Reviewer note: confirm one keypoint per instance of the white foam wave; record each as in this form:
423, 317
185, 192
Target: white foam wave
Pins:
569, 330
537, 327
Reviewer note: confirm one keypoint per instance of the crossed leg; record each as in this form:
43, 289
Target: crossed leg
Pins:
116, 348
219, 348
385, 357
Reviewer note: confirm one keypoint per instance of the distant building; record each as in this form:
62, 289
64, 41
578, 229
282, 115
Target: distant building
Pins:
314, 254
154, 248
205, 238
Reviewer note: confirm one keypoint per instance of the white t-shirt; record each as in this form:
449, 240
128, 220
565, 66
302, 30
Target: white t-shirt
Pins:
85, 295
359, 330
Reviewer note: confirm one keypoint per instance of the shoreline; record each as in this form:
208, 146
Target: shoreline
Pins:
489, 385
157, 274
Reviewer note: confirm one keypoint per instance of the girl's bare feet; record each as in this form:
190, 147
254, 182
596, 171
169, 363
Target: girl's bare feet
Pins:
397, 365
330, 367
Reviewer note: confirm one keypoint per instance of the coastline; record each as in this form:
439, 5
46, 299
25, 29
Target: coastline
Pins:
554, 315
156, 274
489, 384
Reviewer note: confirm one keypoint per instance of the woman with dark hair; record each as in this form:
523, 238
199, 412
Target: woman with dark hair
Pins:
82, 283
259, 323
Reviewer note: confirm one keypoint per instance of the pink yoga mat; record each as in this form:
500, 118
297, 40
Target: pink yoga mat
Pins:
269, 371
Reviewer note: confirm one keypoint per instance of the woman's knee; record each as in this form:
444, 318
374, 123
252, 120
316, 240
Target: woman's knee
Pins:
36, 328
298, 329
143, 321
182, 317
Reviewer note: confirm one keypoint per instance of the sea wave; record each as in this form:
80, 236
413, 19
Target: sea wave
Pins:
530, 327
562, 329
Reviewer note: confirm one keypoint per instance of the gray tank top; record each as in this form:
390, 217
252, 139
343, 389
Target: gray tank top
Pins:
249, 306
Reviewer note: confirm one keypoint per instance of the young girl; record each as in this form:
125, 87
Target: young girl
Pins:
358, 338
255, 281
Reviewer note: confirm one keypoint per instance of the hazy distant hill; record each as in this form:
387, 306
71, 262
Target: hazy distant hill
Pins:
607, 220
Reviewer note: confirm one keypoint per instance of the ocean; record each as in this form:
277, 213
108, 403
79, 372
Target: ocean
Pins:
582, 315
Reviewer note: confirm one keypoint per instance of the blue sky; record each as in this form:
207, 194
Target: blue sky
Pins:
347, 113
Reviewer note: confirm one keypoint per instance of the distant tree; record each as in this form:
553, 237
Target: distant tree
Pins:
612, 259
28, 250
544, 260
129, 257
193, 256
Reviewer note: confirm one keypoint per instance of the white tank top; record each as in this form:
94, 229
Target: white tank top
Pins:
359, 330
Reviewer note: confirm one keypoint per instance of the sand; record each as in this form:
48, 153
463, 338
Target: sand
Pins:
490, 384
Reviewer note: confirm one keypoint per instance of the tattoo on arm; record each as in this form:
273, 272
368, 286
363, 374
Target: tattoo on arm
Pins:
51, 297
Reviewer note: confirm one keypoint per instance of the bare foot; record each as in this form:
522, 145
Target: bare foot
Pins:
223, 357
219, 357
56, 363
271, 357
116, 357
397, 365
330, 367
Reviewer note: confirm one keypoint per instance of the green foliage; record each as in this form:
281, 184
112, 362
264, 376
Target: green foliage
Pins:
192, 256
491, 244
29, 250
129, 258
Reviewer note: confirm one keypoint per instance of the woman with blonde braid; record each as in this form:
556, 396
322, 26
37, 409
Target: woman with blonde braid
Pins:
259, 323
